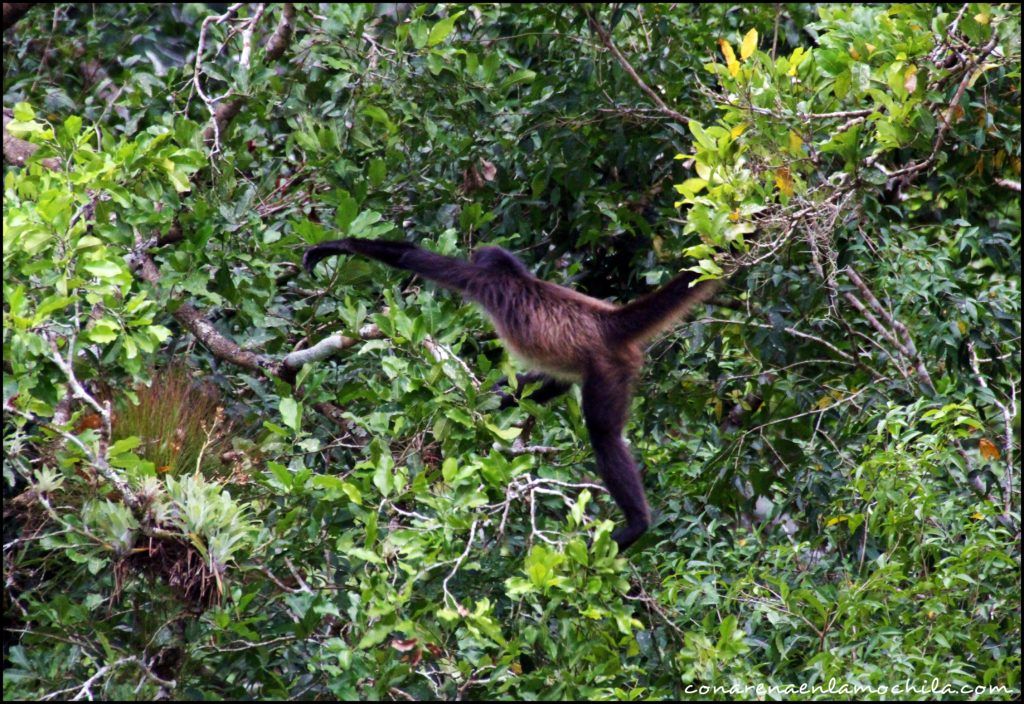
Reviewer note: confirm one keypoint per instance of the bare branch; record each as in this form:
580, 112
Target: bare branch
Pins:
520, 448
1009, 411
226, 110
247, 35
606, 39
440, 353
328, 346
905, 344
455, 569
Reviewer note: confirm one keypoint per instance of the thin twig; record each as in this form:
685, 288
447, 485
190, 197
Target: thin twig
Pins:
606, 39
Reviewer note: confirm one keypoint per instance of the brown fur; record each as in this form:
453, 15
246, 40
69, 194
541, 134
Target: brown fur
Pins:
566, 335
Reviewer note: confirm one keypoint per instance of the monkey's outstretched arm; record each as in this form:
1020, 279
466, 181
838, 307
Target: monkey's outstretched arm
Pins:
606, 393
447, 271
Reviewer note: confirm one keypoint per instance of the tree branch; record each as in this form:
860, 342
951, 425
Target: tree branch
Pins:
328, 346
606, 39
905, 344
275, 47
17, 151
1009, 411
222, 347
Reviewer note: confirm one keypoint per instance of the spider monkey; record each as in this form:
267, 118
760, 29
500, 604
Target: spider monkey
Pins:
564, 335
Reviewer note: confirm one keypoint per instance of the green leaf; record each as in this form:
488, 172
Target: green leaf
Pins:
22, 129
124, 445
506, 434
23, 112
104, 269
379, 116
104, 331
440, 31
291, 413
281, 474
50, 305
449, 468
382, 478
72, 125
523, 75
377, 172
702, 137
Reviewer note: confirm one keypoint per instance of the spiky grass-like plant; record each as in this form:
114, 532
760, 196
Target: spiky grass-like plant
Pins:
180, 424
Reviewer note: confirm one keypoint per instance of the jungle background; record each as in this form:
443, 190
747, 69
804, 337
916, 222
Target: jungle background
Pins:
225, 478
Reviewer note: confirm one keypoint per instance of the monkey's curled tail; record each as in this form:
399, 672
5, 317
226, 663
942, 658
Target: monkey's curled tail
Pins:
647, 316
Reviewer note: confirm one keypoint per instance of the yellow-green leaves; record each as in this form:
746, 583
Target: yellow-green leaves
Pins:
24, 123
795, 143
749, 44
730, 57
795, 59
690, 187
747, 48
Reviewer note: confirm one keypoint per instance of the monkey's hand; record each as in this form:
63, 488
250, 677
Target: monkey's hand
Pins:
314, 255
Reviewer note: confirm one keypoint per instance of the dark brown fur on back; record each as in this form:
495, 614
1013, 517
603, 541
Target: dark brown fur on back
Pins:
551, 327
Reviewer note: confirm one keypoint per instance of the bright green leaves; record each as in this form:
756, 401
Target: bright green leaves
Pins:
24, 125
387, 478
103, 269
722, 197
336, 489
66, 233
861, 92
541, 568
380, 117
523, 75
442, 29
291, 413
425, 34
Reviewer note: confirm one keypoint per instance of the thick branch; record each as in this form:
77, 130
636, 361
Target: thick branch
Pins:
17, 151
192, 320
282, 36
328, 346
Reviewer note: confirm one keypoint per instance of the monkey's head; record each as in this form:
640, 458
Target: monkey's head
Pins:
499, 261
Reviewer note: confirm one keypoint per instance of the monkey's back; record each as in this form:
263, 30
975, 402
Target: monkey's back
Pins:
549, 327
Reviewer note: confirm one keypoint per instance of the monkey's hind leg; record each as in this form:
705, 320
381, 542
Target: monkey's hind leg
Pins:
606, 397
549, 389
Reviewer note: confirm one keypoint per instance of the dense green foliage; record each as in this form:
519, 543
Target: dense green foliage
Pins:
830, 447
